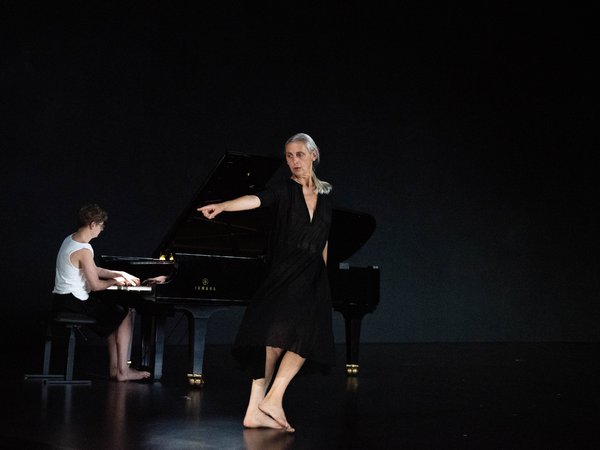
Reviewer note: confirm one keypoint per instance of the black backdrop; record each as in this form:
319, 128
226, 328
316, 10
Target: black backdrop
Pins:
466, 133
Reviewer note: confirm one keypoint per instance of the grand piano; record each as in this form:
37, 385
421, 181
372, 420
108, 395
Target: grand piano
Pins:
216, 264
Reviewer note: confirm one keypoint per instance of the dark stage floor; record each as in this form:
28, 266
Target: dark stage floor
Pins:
407, 396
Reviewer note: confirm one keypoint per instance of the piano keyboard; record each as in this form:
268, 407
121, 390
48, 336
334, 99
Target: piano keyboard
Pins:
130, 288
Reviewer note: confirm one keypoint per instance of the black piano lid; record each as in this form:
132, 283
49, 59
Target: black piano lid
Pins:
240, 233
349, 232
244, 233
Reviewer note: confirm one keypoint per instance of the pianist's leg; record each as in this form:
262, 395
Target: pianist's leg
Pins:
118, 352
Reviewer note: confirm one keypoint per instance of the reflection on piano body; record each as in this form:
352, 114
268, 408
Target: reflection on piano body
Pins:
219, 263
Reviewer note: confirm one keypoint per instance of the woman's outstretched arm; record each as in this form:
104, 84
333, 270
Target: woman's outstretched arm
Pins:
242, 203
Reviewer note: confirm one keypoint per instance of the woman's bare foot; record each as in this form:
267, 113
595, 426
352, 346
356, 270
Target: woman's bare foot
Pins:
258, 419
276, 413
132, 375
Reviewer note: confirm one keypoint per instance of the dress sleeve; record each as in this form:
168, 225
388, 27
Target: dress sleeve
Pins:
269, 195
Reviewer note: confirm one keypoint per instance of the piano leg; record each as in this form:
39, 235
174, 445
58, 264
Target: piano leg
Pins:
152, 344
197, 327
352, 343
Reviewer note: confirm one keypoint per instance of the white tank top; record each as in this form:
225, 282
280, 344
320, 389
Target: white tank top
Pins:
70, 279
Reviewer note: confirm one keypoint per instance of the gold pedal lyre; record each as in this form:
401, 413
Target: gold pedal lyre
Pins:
352, 370
195, 379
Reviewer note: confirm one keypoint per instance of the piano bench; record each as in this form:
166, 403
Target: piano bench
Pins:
73, 323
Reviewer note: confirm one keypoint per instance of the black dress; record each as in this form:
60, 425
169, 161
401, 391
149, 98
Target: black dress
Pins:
292, 307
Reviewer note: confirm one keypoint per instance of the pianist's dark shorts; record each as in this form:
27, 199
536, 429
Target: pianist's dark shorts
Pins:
108, 315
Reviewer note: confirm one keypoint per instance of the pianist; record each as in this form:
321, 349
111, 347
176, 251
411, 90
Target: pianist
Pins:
77, 279
288, 321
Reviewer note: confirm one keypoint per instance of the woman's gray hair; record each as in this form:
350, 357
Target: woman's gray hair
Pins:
322, 187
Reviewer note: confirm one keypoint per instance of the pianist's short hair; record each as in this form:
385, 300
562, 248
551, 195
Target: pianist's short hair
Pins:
91, 213
322, 187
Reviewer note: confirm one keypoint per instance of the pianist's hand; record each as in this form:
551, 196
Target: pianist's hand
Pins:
120, 281
126, 279
211, 211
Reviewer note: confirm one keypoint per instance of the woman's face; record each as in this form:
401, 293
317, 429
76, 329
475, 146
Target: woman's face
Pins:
299, 159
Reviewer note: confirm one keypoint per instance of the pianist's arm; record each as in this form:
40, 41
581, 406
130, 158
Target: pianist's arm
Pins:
119, 275
96, 277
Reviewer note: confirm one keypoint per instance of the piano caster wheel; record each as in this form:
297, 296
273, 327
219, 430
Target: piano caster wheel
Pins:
195, 380
352, 370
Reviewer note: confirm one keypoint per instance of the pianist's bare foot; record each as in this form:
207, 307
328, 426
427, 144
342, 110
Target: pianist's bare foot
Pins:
132, 375
276, 413
258, 419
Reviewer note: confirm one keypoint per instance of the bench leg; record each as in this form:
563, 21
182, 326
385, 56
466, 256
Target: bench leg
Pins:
46, 366
70, 362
